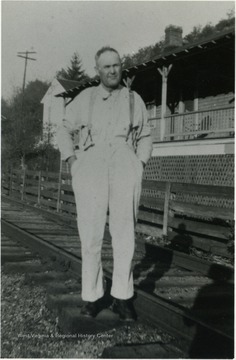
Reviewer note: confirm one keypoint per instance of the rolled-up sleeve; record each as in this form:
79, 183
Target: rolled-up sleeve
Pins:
144, 143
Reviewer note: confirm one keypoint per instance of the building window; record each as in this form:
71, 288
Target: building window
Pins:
189, 105
151, 110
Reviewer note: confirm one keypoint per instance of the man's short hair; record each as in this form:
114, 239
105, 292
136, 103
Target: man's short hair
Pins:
104, 49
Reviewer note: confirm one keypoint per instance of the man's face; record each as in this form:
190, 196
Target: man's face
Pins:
109, 69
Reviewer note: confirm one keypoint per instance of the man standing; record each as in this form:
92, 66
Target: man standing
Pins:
106, 170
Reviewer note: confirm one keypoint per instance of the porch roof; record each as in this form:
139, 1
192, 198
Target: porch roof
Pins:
224, 40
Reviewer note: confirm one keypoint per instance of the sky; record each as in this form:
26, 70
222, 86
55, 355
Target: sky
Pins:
57, 29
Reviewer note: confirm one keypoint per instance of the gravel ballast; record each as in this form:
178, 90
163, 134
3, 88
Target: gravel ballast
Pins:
29, 329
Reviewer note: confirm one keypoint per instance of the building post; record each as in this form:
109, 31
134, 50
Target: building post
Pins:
59, 189
164, 73
166, 209
23, 183
181, 118
195, 108
39, 187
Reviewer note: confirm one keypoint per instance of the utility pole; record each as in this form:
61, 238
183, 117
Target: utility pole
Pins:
24, 55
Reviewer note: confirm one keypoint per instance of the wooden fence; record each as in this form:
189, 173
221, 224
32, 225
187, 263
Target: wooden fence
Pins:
182, 224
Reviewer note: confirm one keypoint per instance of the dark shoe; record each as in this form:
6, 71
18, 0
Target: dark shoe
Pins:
125, 309
90, 309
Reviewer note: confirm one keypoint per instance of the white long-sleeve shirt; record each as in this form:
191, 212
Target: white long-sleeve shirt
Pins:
110, 120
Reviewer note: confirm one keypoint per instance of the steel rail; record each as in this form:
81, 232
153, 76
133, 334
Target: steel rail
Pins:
182, 260
153, 309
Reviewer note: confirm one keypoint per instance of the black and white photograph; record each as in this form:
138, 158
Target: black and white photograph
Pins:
117, 179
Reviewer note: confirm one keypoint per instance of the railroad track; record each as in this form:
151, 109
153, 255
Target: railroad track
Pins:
63, 299
190, 299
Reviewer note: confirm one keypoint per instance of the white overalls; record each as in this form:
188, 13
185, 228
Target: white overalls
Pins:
106, 176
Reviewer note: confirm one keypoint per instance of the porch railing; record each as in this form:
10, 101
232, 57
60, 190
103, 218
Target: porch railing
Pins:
195, 125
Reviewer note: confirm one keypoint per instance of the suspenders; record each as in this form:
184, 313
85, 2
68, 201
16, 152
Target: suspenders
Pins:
131, 113
132, 130
91, 105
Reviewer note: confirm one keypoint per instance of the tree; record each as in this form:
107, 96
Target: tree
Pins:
22, 127
226, 23
45, 156
194, 35
144, 54
201, 33
4, 108
207, 31
198, 33
74, 71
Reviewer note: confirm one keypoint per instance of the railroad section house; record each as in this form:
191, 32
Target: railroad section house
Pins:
189, 94
53, 107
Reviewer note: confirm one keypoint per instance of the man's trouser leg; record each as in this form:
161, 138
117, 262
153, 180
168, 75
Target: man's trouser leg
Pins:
90, 185
125, 174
